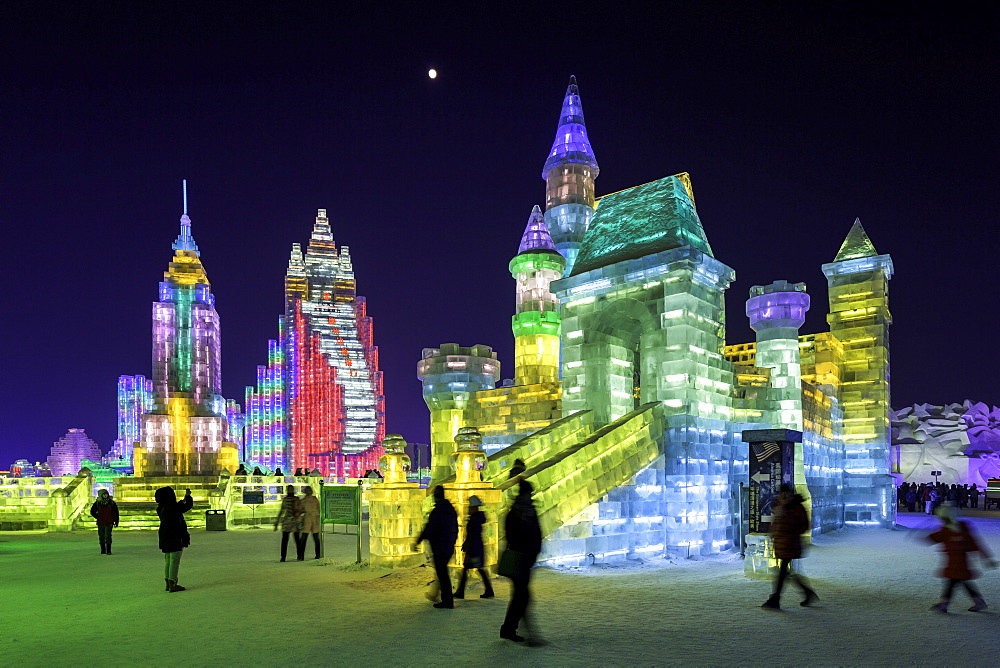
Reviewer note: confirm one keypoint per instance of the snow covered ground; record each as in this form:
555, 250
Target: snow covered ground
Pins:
67, 605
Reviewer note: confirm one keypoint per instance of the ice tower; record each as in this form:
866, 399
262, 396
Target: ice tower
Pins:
185, 432
569, 174
135, 398
319, 403
776, 312
859, 318
536, 320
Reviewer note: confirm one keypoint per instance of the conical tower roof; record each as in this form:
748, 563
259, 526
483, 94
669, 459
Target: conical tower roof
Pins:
536, 235
571, 143
856, 245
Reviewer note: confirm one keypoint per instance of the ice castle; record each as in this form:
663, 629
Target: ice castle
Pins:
644, 432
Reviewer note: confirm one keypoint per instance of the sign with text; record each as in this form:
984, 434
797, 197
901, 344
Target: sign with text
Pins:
340, 504
771, 463
252, 498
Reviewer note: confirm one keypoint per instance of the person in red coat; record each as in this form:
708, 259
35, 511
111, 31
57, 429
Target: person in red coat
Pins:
957, 540
790, 520
105, 511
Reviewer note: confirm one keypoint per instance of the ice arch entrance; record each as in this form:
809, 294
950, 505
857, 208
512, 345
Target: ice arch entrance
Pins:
614, 351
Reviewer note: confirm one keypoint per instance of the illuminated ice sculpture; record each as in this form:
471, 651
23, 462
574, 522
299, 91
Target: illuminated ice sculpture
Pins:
636, 449
319, 402
185, 431
395, 509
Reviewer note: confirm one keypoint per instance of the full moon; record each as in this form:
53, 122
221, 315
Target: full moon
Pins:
432, 73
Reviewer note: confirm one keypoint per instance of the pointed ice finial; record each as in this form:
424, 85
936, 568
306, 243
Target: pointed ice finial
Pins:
571, 143
856, 245
184, 240
536, 235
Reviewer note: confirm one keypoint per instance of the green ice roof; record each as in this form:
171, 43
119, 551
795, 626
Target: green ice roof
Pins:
856, 245
640, 221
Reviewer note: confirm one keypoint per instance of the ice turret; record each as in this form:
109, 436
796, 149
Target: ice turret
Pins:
859, 318
569, 174
536, 322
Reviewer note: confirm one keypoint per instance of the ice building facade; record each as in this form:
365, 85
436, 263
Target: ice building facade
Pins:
135, 399
628, 406
185, 432
70, 450
319, 402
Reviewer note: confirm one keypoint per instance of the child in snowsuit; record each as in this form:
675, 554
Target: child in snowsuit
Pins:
957, 541
475, 553
105, 511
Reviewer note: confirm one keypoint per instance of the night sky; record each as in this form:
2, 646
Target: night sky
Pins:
792, 119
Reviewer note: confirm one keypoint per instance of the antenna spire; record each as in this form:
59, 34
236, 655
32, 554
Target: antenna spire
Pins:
184, 188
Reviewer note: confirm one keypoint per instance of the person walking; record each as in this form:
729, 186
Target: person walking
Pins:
105, 511
310, 522
288, 518
441, 531
957, 540
473, 549
974, 496
173, 533
524, 537
790, 521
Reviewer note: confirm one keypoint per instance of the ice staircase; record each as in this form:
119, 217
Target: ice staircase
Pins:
137, 508
572, 464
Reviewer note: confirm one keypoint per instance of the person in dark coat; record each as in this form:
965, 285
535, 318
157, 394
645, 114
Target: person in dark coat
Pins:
441, 531
290, 518
790, 521
105, 511
473, 549
957, 540
524, 536
174, 536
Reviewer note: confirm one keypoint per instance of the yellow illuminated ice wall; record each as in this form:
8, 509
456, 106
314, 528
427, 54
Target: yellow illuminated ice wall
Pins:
858, 284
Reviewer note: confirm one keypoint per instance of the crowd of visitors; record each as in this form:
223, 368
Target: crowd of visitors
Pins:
928, 497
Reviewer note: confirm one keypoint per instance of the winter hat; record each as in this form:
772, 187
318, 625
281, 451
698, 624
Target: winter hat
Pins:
475, 501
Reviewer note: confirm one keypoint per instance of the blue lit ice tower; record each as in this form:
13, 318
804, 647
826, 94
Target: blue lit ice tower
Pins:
569, 174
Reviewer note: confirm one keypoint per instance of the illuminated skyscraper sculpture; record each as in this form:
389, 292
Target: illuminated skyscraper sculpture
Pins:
266, 426
135, 398
319, 403
569, 174
185, 432
859, 317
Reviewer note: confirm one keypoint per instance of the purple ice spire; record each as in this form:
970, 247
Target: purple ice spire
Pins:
184, 240
571, 143
536, 234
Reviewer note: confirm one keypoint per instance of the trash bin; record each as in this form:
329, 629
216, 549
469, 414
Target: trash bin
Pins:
215, 520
